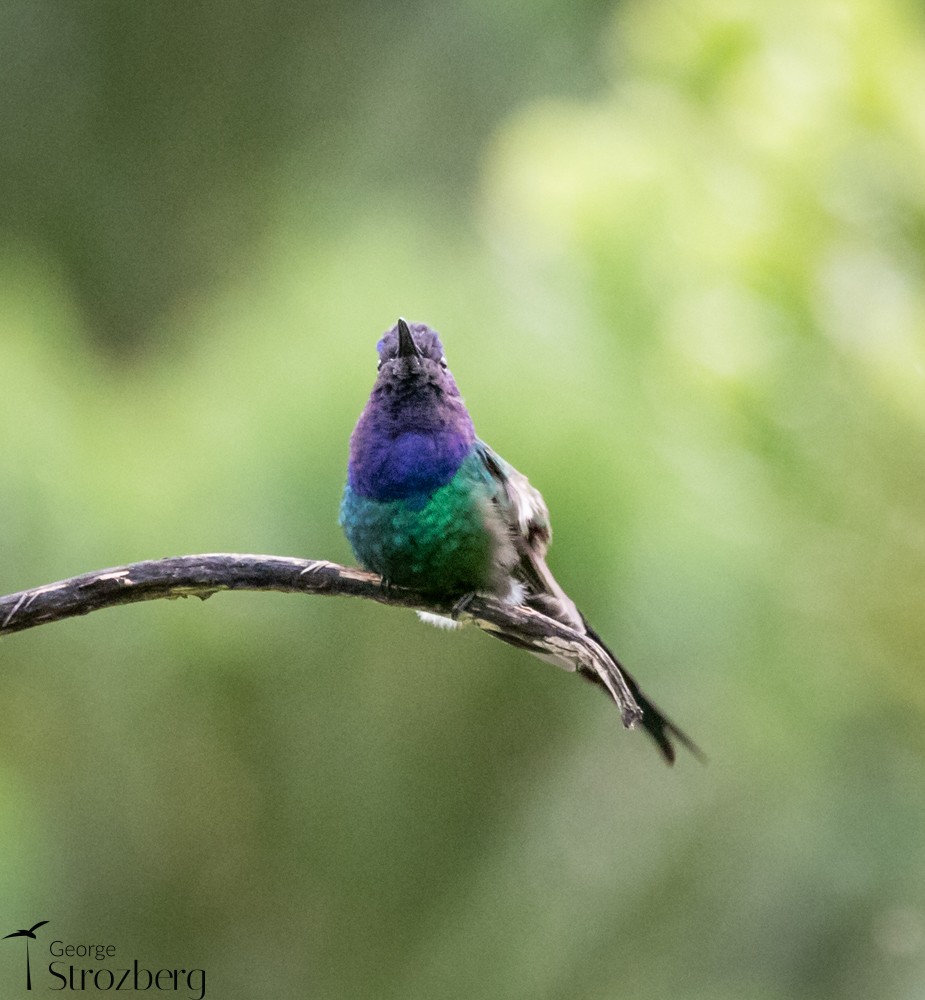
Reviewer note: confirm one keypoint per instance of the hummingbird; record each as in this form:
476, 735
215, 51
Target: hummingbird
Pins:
430, 506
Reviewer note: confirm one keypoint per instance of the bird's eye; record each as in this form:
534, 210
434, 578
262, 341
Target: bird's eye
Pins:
443, 362
379, 365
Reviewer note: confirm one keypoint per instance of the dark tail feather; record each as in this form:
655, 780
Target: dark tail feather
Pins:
660, 728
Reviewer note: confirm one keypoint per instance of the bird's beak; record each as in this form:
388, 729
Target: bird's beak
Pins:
407, 348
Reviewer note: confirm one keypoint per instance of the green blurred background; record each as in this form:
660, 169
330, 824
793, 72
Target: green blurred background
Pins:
677, 253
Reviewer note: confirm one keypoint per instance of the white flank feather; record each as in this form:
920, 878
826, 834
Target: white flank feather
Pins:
438, 621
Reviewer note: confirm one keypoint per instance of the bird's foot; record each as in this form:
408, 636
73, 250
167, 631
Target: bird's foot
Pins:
462, 605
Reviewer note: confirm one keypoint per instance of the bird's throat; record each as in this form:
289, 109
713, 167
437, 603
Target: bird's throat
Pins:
407, 464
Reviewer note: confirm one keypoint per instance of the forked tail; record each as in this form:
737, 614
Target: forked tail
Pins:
657, 725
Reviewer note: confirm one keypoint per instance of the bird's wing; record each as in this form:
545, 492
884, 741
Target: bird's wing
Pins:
35, 927
14, 934
521, 503
524, 511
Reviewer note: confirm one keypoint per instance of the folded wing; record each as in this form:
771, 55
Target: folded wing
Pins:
522, 508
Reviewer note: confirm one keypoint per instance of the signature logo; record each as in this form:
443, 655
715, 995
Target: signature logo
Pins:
27, 934
80, 967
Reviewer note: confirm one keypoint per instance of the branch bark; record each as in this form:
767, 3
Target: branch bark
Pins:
204, 575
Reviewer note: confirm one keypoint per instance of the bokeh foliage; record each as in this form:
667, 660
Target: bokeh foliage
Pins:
676, 253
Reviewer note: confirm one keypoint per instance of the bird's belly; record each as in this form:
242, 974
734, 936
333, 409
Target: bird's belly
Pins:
447, 543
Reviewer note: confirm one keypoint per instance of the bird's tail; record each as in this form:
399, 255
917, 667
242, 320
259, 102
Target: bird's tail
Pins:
606, 671
655, 723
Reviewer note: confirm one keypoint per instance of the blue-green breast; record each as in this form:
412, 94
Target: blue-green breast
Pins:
450, 541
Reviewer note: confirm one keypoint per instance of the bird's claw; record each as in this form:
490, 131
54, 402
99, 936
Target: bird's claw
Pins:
462, 605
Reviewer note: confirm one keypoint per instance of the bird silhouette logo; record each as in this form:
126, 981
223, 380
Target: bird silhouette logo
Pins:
30, 933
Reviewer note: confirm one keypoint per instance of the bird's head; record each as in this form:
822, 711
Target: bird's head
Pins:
411, 360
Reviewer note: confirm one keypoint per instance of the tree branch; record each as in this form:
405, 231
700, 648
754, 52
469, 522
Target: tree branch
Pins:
203, 575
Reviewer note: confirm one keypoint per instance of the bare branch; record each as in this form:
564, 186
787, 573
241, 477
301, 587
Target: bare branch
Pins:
203, 575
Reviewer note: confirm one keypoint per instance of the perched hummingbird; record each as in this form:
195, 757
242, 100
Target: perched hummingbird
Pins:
429, 506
